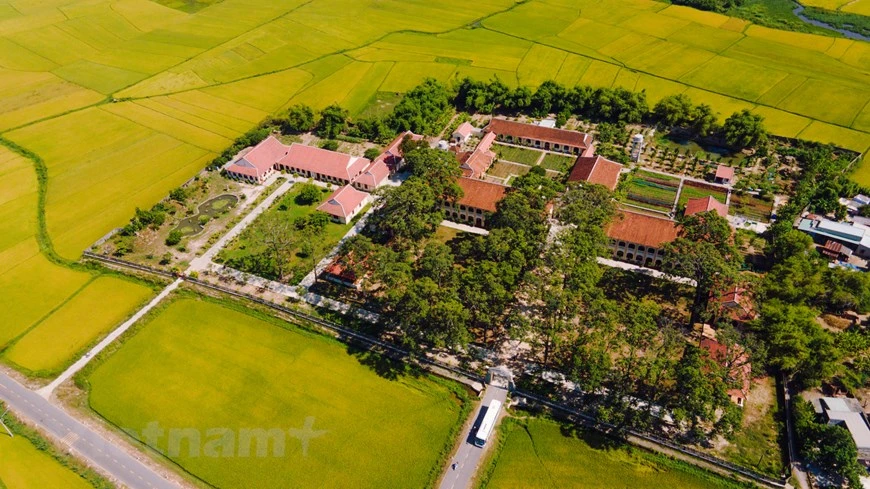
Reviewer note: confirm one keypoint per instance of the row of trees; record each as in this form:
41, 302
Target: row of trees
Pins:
419, 111
609, 105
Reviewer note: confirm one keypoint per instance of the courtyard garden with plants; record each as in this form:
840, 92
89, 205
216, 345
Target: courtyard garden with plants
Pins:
288, 239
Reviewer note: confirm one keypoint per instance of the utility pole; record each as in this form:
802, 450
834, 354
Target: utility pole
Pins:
4, 424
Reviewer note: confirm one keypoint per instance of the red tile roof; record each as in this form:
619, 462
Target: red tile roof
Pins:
374, 175
740, 370
481, 159
465, 129
641, 229
724, 172
343, 202
392, 154
504, 127
324, 162
481, 195
259, 160
596, 169
705, 204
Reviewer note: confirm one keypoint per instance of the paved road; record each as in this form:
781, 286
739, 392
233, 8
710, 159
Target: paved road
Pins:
468, 457
78, 438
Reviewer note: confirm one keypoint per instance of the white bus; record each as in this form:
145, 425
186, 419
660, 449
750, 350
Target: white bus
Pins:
488, 423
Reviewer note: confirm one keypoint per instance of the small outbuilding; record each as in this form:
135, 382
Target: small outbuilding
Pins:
724, 175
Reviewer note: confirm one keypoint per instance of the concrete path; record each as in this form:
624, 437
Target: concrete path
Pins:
79, 439
645, 271
46, 391
464, 227
202, 262
468, 457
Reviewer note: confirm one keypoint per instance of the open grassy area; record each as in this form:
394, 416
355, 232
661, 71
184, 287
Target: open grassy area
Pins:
692, 190
523, 156
539, 453
244, 251
503, 169
558, 163
377, 424
757, 443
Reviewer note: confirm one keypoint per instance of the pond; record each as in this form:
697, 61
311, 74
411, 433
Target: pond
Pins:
210, 208
798, 12
683, 145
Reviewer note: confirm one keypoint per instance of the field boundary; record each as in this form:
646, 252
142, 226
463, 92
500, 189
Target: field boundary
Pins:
468, 378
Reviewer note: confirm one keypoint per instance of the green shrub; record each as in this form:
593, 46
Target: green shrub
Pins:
174, 238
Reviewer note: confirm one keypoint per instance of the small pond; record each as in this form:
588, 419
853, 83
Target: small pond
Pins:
210, 208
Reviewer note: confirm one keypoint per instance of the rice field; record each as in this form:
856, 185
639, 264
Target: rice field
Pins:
26, 467
376, 425
538, 453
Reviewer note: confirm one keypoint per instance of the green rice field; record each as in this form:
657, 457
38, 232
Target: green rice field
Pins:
375, 424
123, 100
538, 453
26, 467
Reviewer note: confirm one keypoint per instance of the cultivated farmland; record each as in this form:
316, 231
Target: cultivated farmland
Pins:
536, 452
377, 426
125, 100
26, 467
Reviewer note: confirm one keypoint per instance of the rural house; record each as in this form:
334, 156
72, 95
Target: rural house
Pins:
474, 165
724, 175
849, 414
258, 163
596, 169
463, 133
540, 137
322, 164
344, 204
479, 199
639, 238
737, 304
736, 361
705, 204
853, 237
392, 155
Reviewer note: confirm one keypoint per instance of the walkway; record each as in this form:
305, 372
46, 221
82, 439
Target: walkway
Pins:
645, 271
46, 391
468, 456
202, 262
465, 228
77, 438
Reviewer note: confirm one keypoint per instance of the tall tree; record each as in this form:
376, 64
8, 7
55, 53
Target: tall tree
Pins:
333, 121
744, 129
279, 238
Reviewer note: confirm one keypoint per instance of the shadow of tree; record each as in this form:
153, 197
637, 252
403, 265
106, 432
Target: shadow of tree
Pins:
384, 366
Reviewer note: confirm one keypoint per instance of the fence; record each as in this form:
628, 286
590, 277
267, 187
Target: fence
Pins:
464, 376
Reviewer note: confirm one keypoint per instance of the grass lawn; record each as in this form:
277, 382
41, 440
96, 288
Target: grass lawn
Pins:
504, 169
249, 244
445, 234
558, 162
26, 467
513, 154
751, 207
378, 425
690, 191
652, 190
539, 453
756, 445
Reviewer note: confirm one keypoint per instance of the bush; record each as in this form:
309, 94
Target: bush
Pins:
330, 144
308, 195
174, 238
372, 153
179, 194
